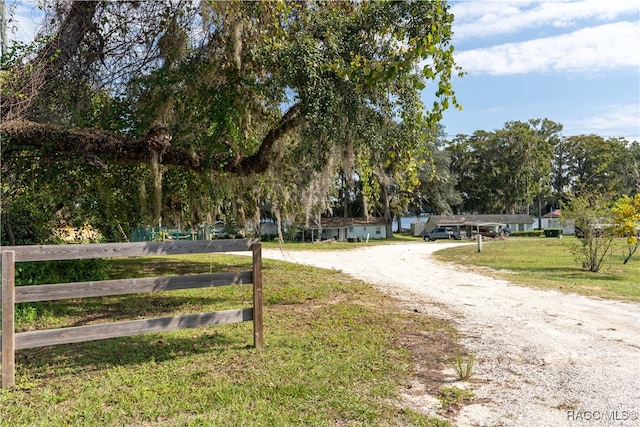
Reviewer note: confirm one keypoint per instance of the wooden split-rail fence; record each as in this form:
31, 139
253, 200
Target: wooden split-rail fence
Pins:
11, 295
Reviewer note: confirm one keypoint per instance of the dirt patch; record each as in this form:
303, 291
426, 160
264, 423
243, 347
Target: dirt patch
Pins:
431, 354
432, 351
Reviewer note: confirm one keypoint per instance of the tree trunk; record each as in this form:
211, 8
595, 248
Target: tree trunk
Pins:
51, 59
388, 219
156, 199
11, 238
365, 205
345, 197
539, 212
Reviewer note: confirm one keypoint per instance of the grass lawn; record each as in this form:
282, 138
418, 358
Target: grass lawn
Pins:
337, 352
549, 263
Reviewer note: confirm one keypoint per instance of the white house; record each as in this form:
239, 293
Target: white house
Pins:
268, 227
551, 220
348, 229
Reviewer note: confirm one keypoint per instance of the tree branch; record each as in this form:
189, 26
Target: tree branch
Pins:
259, 162
50, 59
22, 135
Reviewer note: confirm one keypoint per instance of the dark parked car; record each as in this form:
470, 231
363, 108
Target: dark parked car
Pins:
444, 233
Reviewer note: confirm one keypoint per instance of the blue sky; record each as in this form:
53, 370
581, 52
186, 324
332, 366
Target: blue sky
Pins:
574, 62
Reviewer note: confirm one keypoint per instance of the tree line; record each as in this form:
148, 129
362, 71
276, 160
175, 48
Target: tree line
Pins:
531, 166
524, 167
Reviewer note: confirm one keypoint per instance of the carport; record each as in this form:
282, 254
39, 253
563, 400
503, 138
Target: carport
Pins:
486, 228
473, 228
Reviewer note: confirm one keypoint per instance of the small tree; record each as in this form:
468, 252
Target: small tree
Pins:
591, 213
626, 217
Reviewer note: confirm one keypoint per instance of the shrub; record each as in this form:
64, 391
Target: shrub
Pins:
50, 272
532, 233
553, 232
43, 272
591, 212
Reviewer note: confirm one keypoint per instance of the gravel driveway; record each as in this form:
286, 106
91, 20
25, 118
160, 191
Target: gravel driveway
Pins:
543, 358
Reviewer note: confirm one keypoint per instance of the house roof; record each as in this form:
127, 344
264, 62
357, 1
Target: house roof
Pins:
493, 219
345, 222
553, 214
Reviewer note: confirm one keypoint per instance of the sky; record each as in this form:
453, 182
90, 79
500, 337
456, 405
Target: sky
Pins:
574, 62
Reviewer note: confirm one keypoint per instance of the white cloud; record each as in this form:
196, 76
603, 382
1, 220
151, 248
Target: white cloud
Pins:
610, 46
616, 120
478, 19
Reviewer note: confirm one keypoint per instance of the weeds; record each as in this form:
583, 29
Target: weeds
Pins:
26, 313
464, 366
453, 397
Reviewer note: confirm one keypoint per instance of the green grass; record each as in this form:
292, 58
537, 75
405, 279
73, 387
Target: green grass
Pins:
549, 263
332, 355
452, 397
335, 352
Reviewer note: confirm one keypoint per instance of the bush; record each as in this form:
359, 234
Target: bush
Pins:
50, 272
588, 210
554, 232
532, 233
43, 272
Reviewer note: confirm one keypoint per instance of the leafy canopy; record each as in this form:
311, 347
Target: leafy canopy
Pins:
257, 99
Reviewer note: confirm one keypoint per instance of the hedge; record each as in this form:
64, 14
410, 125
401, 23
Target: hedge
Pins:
532, 233
553, 232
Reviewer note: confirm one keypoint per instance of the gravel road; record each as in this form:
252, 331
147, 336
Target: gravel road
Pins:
543, 358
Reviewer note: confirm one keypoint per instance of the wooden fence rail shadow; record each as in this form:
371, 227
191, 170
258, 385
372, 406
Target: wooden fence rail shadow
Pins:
11, 295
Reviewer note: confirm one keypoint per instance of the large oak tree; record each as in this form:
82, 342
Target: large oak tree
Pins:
266, 92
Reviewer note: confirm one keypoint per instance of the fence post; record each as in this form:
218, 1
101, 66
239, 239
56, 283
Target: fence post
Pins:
257, 295
8, 319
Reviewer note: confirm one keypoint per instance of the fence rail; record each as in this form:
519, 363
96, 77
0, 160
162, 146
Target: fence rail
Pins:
11, 295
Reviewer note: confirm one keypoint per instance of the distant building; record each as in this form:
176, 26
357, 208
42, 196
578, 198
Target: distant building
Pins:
480, 224
348, 229
268, 227
551, 220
